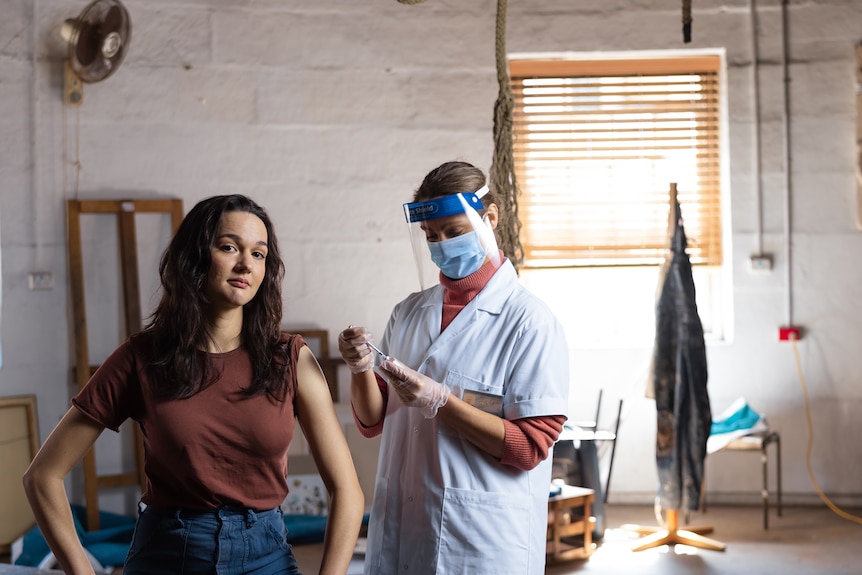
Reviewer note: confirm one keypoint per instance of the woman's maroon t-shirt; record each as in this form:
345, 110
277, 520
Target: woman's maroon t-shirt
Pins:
218, 447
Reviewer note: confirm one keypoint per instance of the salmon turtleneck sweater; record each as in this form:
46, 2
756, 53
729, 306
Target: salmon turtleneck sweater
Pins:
528, 440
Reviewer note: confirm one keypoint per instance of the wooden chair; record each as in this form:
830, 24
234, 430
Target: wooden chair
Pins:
754, 442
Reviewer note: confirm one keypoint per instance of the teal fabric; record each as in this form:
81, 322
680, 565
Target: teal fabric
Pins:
308, 528
305, 528
34, 549
742, 418
108, 545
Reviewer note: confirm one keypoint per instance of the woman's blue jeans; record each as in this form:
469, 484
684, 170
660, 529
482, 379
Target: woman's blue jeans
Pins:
224, 541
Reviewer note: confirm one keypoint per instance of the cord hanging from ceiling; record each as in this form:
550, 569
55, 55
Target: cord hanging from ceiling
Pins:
686, 21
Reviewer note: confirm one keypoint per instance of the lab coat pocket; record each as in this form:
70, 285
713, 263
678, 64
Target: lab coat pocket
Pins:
484, 396
484, 533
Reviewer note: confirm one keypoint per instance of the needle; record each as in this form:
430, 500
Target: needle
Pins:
377, 349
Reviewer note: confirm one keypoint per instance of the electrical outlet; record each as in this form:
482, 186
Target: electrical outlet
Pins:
789, 333
40, 280
760, 263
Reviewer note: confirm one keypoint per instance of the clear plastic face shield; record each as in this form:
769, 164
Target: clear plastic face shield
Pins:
448, 235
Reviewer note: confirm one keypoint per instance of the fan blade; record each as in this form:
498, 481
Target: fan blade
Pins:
88, 46
112, 22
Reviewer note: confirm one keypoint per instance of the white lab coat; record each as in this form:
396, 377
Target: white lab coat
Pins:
441, 505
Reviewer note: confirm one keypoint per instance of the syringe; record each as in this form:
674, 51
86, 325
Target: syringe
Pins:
383, 356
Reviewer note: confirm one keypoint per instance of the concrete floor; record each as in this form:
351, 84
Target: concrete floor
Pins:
803, 541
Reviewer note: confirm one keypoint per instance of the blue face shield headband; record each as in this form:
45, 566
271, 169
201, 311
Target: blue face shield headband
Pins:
441, 207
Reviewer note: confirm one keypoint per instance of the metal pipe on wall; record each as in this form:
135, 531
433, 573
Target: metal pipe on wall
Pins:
787, 180
755, 96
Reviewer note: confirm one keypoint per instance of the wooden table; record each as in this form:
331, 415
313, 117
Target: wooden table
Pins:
569, 516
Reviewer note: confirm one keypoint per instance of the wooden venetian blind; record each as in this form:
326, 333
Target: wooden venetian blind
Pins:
597, 144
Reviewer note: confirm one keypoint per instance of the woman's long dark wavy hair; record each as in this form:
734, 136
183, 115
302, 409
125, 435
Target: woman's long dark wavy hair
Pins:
178, 327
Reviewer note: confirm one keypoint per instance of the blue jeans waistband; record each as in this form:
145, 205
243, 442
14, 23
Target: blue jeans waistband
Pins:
225, 512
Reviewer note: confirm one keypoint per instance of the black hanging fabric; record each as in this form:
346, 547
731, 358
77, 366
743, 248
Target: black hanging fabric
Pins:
679, 380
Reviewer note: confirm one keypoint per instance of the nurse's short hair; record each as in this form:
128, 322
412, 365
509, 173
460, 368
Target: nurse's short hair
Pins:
454, 178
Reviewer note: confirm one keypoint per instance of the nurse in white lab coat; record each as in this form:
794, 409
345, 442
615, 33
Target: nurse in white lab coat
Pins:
473, 394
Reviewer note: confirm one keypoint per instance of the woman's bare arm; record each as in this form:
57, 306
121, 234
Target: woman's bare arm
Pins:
328, 446
46, 491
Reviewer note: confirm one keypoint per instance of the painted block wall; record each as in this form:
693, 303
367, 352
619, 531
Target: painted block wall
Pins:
329, 112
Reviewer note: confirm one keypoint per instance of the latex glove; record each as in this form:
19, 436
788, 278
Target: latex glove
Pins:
415, 389
354, 351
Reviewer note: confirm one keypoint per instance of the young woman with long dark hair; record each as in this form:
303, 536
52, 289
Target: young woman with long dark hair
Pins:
217, 389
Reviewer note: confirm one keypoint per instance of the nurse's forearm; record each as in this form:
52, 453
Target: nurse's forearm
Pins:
482, 429
366, 398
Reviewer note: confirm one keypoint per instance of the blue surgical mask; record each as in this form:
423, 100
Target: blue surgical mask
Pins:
458, 257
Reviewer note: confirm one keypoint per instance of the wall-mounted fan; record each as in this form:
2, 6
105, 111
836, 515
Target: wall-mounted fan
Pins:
98, 40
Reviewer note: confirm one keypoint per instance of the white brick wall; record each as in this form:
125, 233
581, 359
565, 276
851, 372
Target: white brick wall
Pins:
329, 112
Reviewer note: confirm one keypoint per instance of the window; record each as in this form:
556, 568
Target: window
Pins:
597, 143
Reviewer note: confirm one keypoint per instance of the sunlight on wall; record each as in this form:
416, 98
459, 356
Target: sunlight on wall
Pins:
614, 307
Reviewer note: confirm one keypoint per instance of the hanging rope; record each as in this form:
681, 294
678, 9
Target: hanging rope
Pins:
686, 21
502, 173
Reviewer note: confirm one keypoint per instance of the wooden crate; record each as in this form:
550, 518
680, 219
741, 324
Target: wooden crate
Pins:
570, 524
